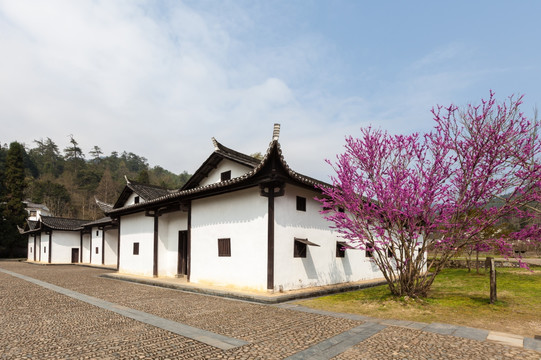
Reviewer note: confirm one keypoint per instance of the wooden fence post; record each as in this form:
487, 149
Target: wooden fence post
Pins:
490, 263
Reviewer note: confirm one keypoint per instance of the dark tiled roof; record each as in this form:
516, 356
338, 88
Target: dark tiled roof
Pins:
32, 224
220, 152
274, 149
100, 222
148, 192
57, 223
145, 191
103, 205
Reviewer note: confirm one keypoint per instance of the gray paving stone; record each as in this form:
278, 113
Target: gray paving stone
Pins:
438, 328
334, 346
471, 333
417, 325
532, 344
355, 317
391, 322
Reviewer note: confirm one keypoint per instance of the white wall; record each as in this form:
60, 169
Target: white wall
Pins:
44, 248
30, 248
225, 165
242, 217
96, 243
38, 246
86, 248
131, 199
321, 266
136, 228
62, 243
168, 227
111, 246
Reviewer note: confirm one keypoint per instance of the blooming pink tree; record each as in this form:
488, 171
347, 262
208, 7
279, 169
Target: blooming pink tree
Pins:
401, 195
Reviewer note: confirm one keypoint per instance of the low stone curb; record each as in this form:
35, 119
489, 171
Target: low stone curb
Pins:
262, 299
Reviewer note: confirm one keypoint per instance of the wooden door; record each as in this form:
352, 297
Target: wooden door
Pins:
182, 268
74, 255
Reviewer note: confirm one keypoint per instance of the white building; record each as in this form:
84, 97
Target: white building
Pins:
54, 240
238, 222
36, 210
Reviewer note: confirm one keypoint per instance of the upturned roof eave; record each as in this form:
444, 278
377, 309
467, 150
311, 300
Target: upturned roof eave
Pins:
247, 180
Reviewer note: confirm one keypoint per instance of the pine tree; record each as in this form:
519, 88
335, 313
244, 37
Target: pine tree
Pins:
14, 213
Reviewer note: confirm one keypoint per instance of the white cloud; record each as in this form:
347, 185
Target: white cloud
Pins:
161, 78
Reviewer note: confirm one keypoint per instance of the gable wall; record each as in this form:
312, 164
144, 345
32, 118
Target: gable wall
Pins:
242, 217
131, 199
168, 227
225, 165
321, 266
136, 228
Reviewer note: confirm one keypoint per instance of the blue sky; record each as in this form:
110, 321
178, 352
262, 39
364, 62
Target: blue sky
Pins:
160, 78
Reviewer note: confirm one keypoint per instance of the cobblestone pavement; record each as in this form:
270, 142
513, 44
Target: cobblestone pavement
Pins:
36, 322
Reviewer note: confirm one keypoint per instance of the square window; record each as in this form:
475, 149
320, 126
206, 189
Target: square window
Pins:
226, 175
369, 251
299, 249
301, 203
97, 250
136, 248
340, 249
136, 200
33, 213
224, 247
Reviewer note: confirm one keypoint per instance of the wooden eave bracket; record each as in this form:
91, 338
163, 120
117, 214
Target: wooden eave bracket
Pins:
274, 188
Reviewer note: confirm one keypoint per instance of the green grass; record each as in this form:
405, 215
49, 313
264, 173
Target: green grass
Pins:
456, 297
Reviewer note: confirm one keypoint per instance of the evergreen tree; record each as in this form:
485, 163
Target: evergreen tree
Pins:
96, 153
47, 157
143, 177
11, 242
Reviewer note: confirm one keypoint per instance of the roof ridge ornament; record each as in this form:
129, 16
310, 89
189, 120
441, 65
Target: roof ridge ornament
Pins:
276, 132
127, 180
215, 143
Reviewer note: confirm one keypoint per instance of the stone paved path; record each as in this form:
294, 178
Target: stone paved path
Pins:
39, 322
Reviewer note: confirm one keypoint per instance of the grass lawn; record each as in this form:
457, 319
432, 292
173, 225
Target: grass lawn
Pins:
457, 297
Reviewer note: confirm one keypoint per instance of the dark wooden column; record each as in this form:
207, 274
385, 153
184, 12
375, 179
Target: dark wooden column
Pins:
103, 246
50, 245
118, 248
271, 190
189, 245
155, 260
81, 248
35, 242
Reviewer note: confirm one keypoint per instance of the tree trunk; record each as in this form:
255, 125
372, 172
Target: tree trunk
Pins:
477, 261
493, 296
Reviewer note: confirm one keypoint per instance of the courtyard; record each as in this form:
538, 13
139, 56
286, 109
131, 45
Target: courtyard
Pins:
66, 311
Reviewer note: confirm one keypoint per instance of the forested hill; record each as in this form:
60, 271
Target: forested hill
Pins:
67, 180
